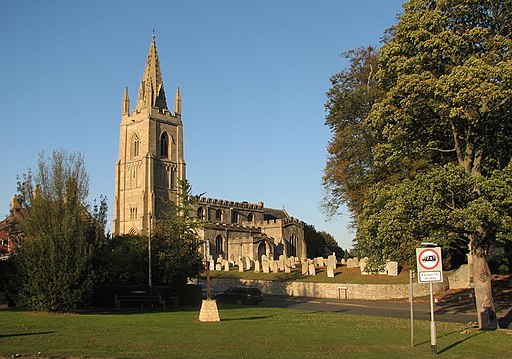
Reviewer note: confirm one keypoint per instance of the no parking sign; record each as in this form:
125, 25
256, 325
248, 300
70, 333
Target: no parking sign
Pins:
429, 264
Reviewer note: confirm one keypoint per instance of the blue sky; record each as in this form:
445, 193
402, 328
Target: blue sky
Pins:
252, 75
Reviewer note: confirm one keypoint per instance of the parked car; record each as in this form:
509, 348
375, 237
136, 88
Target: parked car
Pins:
241, 295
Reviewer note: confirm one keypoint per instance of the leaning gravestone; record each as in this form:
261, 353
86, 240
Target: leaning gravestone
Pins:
312, 270
305, 268
350, 263
330, 272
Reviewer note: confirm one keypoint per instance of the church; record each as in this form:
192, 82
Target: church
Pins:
151, 163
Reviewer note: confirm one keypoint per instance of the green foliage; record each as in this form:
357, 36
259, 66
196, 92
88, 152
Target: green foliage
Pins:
124, 260
316, 241
55, 258
437, 128
175, 242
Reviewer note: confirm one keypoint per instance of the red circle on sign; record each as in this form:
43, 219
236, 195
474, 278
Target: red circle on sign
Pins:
427, 264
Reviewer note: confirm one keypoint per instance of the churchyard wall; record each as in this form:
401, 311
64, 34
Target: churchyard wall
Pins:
331, 290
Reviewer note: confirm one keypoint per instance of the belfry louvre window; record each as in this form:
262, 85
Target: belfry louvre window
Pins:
164, 145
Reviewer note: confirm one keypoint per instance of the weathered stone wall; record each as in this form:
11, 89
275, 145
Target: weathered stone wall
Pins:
332, 290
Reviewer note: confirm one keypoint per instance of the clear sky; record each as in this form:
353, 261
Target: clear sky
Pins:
252, 75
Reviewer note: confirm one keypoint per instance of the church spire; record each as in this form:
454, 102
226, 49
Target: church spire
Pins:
151, 91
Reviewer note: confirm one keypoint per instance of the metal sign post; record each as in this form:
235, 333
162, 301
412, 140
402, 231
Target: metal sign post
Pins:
411, 298
430, 270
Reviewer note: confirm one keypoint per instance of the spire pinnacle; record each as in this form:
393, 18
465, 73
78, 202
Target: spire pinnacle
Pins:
177, 102
126, 102
151, 90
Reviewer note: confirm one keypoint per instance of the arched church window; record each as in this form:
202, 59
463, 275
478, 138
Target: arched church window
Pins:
218, 215
250, 217
292, 246
218, 244
164, 145
135, 146
200, 212
234, 217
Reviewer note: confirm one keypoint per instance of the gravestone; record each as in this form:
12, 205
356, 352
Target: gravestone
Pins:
256, 266
281, 262
305, 268
287, 268
392, 268
240, 265
218, 266
362, 266
275, 268
350, 263
212, 264
320, 261
312, 270
343, 261
220, 259
330, 272
356, 261
331, 261
266, 266
226, 266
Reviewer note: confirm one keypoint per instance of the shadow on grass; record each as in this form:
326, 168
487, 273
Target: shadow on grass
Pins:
23, 334
247, 318
506, 320
458, 342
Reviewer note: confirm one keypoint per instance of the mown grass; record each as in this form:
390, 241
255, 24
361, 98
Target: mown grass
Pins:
341, 275
244, 332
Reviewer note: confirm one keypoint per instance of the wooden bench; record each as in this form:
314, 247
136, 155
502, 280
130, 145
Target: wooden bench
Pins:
139, 298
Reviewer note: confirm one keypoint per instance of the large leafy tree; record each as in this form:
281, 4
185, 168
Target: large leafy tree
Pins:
61, 234
175, 241
442, 135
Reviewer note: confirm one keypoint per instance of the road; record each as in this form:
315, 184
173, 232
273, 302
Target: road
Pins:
446, 312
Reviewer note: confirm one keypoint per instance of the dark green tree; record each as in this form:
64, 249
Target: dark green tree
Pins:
61, 234
175, 242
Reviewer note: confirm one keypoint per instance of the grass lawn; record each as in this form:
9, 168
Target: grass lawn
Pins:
342, 274
244, 332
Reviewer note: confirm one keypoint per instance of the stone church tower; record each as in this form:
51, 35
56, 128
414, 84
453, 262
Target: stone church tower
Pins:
151, 159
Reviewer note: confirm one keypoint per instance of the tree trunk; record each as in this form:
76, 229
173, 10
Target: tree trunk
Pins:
486, 313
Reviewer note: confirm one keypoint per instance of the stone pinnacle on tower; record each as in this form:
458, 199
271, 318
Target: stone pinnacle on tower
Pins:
177, 102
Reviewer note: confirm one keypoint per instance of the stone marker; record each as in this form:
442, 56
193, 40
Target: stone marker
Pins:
392, 268
256, 266
320, 261
312, 270
218, 266
356, 261
240, 266
330, 272
350, 263
266, 266
362, 266
305, 268
343, 261
212, 264
275, 268
287, 268
226, 266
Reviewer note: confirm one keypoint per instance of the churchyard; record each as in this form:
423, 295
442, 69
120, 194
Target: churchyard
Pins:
325, 270
243, 332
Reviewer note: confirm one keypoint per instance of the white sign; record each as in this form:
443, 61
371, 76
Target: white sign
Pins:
429, 265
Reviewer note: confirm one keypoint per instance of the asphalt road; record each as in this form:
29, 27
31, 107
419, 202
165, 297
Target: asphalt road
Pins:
446, 312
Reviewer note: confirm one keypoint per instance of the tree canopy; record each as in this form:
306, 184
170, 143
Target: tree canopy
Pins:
55, 257
438, 156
